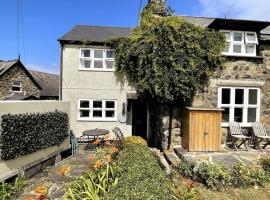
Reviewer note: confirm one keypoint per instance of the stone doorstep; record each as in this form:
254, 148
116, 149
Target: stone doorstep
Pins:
172, 158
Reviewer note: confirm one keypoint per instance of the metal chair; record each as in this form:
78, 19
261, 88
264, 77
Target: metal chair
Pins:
73, 142
260, 135
237, 135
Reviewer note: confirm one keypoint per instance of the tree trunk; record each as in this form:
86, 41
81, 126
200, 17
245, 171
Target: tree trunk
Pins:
170, 126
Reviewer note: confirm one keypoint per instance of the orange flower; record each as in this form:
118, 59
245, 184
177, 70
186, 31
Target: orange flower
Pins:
96, 142
114, 149
107, 136
107, 143
65, 170
42, 189
30, 198
108, 157
98, 164
90, 157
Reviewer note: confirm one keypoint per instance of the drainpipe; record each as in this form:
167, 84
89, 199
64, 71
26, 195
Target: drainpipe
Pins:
61, 74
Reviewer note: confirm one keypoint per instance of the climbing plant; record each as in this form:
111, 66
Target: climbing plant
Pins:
167, 58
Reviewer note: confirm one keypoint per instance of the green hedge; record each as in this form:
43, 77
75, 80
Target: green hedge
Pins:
140, 176
24, 134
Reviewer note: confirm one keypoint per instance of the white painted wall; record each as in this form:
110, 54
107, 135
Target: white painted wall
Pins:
78, 84
12, 167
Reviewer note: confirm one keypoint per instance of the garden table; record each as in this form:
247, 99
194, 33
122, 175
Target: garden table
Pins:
95, 133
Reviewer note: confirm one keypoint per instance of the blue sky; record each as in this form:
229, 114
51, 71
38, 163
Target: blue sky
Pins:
45, 21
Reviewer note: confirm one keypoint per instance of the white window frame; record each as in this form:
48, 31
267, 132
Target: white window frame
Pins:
244, 43
103, 109
20, 86
245, 106
92, 59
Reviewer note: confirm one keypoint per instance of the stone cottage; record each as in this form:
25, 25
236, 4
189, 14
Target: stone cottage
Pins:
18, 83
99, 100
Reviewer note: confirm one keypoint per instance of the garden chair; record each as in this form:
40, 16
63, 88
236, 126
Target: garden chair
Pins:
261, 135
73, 142
237, 135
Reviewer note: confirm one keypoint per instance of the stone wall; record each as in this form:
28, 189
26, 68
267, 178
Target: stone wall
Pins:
237, 71
18, 74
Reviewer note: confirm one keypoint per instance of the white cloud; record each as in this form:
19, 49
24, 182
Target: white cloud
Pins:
243, 9
51, 68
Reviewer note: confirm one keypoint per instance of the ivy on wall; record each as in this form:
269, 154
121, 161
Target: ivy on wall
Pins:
23, 134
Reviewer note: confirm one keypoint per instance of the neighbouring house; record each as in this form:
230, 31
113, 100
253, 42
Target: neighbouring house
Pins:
99, 100
49, 84
18, 83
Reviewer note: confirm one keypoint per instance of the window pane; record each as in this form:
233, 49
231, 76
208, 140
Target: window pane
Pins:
97, 104
252, 114
227, 35
98, 53
110, 54
237, 37
110, 113
16, 83
251, 37
110, 104
227, 47
239, 96
226, 95
86, 63
16, 89
110, 64
84, 104
237, 48
252, 97
238, 115
250, 48
97, 113
84, 113
226, 115
98, 64
86, 53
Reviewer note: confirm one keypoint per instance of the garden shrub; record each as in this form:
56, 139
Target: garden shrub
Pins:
185, 168
243, 176
135, 140
213, 175
23, 134
265, 162
9, 190
140, 176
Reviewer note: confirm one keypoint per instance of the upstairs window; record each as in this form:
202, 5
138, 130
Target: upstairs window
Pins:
240, 43
97, 59
240, 104
16, 86
97, 110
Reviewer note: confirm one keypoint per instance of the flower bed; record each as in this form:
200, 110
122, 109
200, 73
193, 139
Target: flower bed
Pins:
129, 173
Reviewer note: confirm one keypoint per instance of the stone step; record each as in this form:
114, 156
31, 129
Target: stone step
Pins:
172, 158
163, 162
179, 151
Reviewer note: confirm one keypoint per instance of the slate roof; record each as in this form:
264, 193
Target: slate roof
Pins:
5, 65
98, 34
48, 82
95, 33
19, 97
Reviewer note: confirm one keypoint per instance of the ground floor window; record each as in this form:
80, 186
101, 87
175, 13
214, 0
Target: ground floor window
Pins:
240, 104
97, 110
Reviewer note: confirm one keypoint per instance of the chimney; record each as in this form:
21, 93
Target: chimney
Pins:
159, 6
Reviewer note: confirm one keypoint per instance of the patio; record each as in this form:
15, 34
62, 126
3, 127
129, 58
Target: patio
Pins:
226, 157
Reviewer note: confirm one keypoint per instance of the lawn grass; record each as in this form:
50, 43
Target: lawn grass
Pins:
250, 193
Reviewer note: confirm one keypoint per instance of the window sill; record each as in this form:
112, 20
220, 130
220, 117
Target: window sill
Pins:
244, 56
97, 70
243, 125
97, 120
